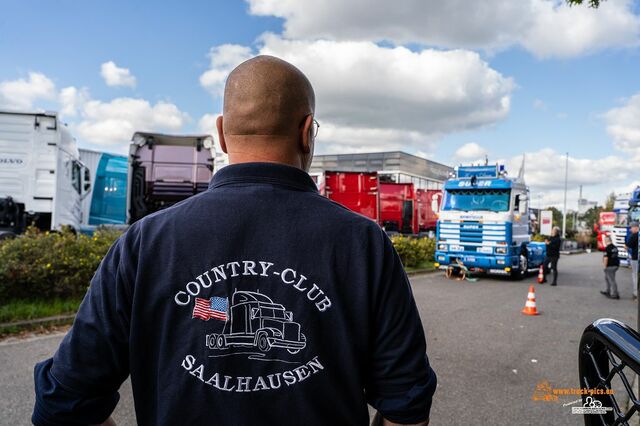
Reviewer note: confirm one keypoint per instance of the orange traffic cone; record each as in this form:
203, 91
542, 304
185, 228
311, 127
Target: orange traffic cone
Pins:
530, 305
541, 274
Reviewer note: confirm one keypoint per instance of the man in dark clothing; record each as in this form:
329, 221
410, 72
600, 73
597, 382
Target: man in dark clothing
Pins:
257, 301
553, 254
611, 263
632, 249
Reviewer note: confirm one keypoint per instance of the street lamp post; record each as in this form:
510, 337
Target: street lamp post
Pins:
564, 212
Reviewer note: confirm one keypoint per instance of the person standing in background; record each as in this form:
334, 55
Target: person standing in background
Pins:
632, 249
553, 255
611, 262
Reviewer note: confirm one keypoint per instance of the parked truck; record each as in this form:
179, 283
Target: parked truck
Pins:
604, 227
166, 169
398, 208
106, 202
255, 321
42, 180
357, 191
484, 223
621, 228
427, 208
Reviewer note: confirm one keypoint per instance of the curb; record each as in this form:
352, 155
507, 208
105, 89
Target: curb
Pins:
38, 321
422, 272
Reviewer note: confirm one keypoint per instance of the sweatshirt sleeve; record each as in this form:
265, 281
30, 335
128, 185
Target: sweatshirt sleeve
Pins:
79, 385
400, 383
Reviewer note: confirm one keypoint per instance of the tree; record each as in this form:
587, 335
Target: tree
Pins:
592, 3
608, 204
557, 219
591, 217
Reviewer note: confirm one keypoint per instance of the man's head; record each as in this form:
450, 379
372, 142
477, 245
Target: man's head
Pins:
634, 227
555, 231
268, 114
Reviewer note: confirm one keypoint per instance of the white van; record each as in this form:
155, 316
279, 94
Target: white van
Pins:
42, 181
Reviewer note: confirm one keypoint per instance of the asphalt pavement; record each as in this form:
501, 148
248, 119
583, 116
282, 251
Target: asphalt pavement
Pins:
489, 357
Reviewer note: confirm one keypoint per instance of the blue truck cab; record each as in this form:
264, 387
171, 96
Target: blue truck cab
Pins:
627, 210
484, 223
106, 203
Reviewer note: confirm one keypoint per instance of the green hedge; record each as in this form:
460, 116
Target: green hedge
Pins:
414, 251
48, 265
44, 265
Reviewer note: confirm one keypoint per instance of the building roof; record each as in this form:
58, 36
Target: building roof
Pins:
378, 161
164, 139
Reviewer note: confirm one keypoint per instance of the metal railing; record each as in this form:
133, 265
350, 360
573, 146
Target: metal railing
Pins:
608, 349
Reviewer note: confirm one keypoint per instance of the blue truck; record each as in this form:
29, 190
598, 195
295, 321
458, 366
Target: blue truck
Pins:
106, 203
627, 210
484, 223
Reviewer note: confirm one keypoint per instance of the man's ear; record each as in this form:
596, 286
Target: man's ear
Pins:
223, 143
306, 138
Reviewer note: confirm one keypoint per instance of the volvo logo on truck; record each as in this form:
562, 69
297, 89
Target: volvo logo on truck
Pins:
7, 160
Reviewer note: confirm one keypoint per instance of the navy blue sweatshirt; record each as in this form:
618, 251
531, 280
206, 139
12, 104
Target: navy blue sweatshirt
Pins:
256, 301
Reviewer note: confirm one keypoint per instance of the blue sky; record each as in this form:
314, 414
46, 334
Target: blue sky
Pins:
569, 75
164, 43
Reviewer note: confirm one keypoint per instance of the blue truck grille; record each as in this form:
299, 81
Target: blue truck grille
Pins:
473, 233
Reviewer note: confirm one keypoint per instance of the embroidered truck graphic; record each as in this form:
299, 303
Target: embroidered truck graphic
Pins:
256, 321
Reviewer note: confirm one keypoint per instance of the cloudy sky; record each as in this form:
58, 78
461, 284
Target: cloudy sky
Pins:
451, 80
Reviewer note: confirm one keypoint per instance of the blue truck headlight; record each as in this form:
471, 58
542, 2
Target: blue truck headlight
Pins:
442, 247
501, 250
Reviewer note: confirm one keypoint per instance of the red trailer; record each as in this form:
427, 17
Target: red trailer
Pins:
398, 208
603, 228
357, 191
428, 206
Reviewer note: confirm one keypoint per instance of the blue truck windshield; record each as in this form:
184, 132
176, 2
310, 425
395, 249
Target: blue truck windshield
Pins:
634, 214
496, 200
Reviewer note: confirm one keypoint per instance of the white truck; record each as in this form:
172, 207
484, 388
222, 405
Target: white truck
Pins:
42, 180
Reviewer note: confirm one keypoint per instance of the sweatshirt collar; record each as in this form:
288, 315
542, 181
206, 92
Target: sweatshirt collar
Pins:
274, 173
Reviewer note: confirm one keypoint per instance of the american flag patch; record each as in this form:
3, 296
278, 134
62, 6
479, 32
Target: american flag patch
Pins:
215, 307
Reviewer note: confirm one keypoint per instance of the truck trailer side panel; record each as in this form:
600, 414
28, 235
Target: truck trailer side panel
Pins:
357, 191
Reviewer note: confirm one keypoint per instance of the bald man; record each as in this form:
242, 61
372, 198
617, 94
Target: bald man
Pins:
255, 302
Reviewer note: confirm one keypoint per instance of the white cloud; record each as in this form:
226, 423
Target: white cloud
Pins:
558, 30
470, 152
113, 75
207, 124
21, 94
111, 124
338, 139
623, 125
368, 95
71, 100
544, 27
545, 171
99, 123
223, 58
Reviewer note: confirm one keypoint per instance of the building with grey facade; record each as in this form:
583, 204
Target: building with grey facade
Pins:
396, 166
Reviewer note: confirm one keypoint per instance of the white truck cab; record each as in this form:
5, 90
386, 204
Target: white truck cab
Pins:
42, 181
